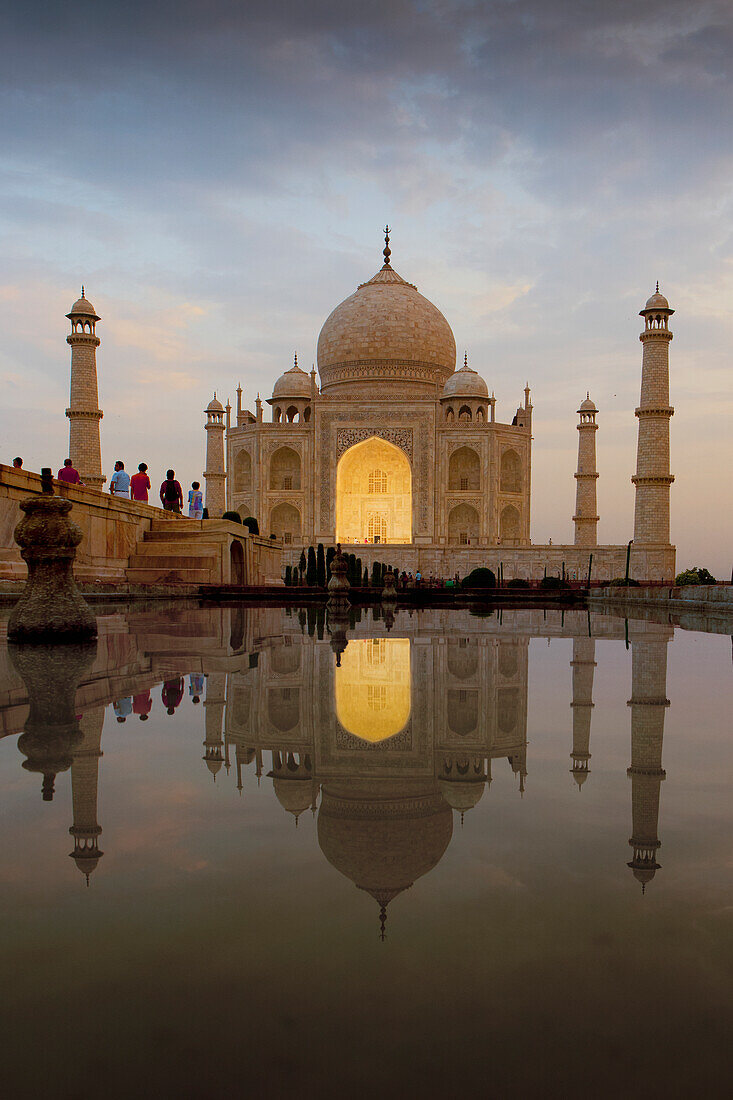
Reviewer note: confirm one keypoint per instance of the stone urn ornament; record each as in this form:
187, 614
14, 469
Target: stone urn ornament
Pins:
338, 586
51, 608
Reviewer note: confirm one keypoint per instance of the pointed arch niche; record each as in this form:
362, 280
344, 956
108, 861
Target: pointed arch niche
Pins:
374, 494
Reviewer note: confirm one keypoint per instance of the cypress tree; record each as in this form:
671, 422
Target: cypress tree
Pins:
311, 573
330, 555
357, 572
301, 565
320, 566
288, 572
365, 579
375, 573
311, 617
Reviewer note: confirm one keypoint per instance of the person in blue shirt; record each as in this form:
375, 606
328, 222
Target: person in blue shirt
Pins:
119, 483
195, 501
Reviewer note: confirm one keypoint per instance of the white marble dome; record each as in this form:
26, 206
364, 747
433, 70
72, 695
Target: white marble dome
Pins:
385, 333
466, 382
293, 383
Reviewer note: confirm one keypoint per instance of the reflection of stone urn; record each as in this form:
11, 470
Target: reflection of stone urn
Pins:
338, 586
389, 589
338, 623
51, 607
51, 674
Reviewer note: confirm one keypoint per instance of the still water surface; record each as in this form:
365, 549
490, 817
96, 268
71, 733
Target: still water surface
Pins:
440, 854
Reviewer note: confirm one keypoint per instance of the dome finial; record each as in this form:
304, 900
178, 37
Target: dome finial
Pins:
82, 289
295, 361
657, 291
382, 921
465, 360
387, 250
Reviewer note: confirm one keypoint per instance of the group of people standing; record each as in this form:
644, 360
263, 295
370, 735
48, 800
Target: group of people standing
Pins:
139, 485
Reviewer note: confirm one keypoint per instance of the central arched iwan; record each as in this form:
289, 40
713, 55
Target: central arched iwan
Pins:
374, 494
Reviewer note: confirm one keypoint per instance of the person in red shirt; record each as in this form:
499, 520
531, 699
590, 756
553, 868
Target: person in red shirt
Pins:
171, 493
142, 705
140, 483
68, 473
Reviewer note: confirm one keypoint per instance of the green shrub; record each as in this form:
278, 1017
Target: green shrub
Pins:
622, 582
480, 578
518, 582
252, 525
233, 516
551, 582
311, 571
695, 576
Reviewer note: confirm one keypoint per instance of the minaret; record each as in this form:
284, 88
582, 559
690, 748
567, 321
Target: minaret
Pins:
84, 775
648, 703
586, 507
240, 417
214, 703
215, 473
84, 413
652, 478
582, 664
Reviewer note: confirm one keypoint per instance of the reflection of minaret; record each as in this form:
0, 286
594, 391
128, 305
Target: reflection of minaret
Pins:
84, 775
648, 702
214, 710
582, 664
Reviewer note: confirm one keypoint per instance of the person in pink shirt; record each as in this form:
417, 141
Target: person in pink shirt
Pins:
68, 473
140, 483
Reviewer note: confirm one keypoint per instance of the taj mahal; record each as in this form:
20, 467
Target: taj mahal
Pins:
391, 447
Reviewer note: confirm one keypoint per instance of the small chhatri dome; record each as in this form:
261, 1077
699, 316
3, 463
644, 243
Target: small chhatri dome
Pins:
466, 382
657, 301
587, 405
294, 383
82, 306
214, 405
385, 334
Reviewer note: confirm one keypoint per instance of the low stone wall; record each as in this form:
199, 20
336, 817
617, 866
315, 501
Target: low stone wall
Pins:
689, 597
527, 562
117, 533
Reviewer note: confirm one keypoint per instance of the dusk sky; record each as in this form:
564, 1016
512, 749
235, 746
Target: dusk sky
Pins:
218, 176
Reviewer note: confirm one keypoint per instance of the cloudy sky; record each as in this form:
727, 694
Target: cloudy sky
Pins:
218, 174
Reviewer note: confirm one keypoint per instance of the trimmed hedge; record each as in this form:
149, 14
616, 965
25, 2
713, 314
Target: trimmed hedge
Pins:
479, 578
233, 516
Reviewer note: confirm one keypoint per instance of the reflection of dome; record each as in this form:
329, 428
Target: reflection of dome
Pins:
462, 796
384, 834
466, 383
294, 795
385, 332
294, 383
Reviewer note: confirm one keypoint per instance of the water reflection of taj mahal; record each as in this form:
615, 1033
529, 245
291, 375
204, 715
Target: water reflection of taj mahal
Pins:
388, 740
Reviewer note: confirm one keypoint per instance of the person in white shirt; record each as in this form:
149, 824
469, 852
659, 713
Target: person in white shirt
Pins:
119, 483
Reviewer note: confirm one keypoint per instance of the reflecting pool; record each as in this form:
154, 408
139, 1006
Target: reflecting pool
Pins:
249, 850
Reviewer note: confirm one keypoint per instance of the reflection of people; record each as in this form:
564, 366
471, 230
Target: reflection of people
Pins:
196, 686
123, 708
172, 693
142, 704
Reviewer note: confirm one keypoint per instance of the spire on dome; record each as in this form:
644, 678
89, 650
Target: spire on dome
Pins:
387, 250
82, 289
657, 290
295, 361
465, 360
382, 921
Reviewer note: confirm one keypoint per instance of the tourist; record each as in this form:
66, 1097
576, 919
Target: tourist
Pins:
119, 483
171, 493
123, 708
142, 704
172, 693
17, 463
196, 686
140, 483
195, 501
68, 474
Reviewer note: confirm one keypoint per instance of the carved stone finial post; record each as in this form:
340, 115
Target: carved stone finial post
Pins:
51, 607
338, 586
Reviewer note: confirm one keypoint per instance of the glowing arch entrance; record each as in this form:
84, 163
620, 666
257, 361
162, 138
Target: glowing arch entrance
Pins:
374, 494
373, 687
